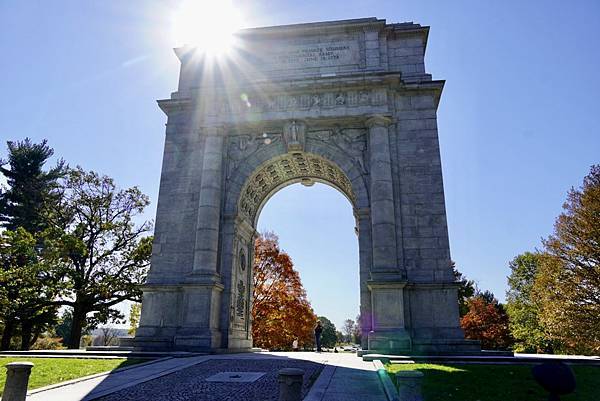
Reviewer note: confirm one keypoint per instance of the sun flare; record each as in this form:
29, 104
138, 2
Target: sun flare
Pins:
206, 25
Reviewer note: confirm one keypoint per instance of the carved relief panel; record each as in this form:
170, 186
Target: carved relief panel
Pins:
240, 147
240, 299
351, 141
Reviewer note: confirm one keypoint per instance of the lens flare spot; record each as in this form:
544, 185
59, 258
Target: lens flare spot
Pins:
245, 100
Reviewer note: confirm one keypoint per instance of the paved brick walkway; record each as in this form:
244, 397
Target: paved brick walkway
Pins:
190, 384
105, 383
343, 377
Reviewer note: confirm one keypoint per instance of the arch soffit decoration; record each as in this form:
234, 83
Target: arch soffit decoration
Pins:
322, 163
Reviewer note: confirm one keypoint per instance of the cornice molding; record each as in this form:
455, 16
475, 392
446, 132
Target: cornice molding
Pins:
313, 28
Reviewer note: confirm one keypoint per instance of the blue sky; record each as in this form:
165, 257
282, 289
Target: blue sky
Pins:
518, 120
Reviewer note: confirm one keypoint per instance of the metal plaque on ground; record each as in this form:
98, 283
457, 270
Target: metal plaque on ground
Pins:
236, 377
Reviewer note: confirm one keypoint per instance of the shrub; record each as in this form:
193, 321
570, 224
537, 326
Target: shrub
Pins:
86, 341
48, 343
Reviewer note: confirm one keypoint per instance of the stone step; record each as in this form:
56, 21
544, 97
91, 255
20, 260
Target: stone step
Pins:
485, 357
116, 353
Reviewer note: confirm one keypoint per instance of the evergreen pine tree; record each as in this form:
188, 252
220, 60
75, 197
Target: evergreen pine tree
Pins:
32, 192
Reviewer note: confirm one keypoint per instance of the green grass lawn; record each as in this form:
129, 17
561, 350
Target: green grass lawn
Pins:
495, 382
54, 370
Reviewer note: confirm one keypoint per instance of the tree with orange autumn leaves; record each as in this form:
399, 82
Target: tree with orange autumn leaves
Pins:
487, 321
281, 311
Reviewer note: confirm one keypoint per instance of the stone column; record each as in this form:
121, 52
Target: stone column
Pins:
365, 252
383, 220
386, 279
209, 205
202, 289
17, 378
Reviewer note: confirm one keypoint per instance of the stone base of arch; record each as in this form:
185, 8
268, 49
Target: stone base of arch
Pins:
390, 342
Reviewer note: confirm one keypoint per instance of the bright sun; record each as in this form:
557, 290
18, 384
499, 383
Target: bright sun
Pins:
207, 25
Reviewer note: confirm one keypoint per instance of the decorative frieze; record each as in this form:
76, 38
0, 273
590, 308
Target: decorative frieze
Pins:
261, 103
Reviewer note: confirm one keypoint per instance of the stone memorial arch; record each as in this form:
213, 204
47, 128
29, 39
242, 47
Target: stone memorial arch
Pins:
345, 103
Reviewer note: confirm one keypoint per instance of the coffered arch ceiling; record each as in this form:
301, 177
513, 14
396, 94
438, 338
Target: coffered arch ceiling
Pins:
285, 170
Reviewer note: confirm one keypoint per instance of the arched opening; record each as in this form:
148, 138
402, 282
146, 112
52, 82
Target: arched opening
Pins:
272, 181
316, 227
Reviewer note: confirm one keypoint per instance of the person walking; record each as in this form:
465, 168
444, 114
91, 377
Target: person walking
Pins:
295, 345
318, 331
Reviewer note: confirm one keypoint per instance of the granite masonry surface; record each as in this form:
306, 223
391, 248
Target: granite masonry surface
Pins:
346, 103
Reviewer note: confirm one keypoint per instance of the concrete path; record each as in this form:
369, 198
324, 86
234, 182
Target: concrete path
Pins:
344, 377
106, 383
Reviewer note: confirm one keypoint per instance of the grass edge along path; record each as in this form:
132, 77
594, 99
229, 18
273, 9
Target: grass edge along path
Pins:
480, 382
49, 371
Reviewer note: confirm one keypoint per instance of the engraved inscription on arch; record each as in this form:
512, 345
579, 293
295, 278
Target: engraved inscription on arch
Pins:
310, 53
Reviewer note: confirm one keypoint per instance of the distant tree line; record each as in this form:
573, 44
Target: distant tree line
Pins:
553, 300
70, 240
73, 244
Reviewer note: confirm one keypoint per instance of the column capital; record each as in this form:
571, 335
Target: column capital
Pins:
378, 120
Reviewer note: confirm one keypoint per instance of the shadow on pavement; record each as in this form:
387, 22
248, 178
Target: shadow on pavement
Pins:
185, 379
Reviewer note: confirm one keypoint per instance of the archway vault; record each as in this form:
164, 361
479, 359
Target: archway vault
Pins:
254, 176
285, 170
